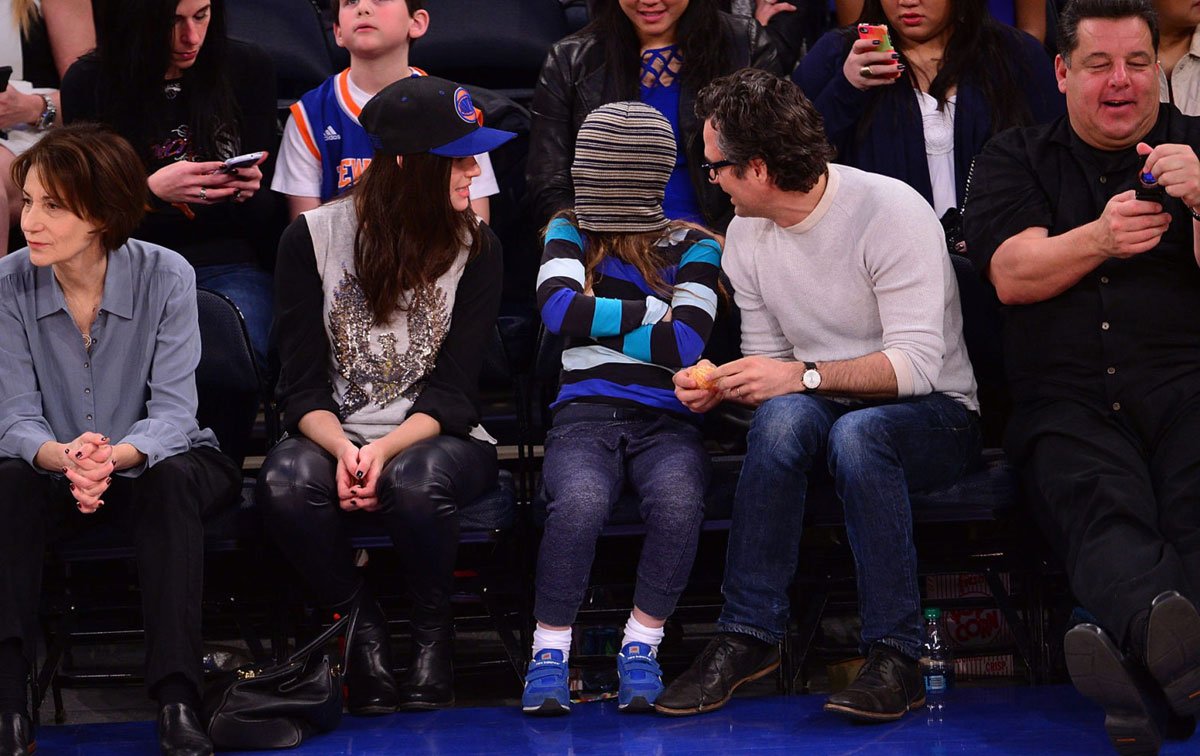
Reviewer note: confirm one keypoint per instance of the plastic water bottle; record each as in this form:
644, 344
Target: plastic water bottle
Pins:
937, 666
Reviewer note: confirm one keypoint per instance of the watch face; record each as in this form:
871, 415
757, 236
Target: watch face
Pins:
812, 379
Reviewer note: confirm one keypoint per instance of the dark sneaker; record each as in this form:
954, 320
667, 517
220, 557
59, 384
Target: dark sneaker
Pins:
1173, 651
729, 660
1133, 714
888, 685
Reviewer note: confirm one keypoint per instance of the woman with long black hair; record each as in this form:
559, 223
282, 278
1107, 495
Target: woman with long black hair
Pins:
660, 52
165, 77
385, 299
922, 112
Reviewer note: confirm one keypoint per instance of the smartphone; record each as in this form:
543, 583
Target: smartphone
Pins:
243, 161
5, 73
880, 32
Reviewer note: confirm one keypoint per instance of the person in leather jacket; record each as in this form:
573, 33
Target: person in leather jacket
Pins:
631, 49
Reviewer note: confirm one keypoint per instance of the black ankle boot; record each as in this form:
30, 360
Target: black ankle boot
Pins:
429, 682
369, 682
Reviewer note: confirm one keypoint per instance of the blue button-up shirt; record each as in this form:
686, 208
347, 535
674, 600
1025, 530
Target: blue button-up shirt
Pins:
136, 385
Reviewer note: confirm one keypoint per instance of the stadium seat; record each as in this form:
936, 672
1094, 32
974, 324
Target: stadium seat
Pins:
500, 44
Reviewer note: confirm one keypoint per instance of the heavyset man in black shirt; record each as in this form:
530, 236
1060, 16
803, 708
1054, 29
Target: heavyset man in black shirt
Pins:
1102, 349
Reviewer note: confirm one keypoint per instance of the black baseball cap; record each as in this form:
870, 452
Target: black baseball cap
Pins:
427, 114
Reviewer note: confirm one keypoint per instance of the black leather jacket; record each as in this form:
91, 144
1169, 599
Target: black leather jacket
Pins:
573, 83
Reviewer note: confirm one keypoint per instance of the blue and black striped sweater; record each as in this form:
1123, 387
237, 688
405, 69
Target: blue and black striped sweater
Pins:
619, 349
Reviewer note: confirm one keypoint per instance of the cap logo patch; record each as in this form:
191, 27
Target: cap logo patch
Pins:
463, 105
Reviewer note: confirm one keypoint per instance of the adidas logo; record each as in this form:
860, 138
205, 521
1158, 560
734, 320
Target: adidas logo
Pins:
331, 135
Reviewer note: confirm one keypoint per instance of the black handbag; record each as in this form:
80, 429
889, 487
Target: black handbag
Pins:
279, 705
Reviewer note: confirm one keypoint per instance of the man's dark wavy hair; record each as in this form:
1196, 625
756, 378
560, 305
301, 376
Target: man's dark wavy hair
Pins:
759, 115
1078, 10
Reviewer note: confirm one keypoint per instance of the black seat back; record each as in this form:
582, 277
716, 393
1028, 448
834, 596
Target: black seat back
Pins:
499, 44
228, 382
298, 36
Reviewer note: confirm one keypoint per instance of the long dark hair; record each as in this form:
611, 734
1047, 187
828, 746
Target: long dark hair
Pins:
700, 37
133, 48
976, 51
408, 232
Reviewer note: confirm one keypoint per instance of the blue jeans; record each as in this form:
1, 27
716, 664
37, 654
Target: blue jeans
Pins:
591, 452
251, 290
876, 454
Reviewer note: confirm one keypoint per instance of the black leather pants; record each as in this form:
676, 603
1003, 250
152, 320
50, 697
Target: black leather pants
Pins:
419, 492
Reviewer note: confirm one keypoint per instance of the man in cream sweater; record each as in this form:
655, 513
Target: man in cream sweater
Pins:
854, 361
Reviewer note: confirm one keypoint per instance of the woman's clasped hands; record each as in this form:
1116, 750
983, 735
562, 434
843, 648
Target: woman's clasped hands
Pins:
87, 463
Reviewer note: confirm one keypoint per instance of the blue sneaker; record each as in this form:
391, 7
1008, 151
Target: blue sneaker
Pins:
641, 678
546, 693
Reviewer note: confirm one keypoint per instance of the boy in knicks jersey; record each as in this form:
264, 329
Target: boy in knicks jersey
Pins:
325, 149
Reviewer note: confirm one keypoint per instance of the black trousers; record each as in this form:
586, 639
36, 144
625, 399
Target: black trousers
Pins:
420, 491
163, 509
1118, 495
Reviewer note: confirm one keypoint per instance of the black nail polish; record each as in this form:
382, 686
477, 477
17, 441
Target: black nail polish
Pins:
358, 474
895, 56
72, 486
78, 455
354, 502
64, 469
900, 67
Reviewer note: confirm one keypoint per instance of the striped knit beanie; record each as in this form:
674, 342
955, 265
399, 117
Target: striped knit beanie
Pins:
624, 154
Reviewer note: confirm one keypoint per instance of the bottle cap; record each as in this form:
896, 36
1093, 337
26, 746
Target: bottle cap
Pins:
1148, 178
933, 613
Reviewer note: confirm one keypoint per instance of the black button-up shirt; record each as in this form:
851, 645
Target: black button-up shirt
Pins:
1125, 332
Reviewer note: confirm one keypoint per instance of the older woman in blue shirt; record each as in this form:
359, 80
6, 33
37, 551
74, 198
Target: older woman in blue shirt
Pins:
99, 344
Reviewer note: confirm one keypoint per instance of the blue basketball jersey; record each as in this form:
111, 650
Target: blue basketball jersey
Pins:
328, 121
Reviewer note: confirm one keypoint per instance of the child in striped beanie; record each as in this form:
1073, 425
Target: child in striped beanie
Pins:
635, 296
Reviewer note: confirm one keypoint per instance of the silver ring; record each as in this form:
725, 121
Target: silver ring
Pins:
865, 72
204, 193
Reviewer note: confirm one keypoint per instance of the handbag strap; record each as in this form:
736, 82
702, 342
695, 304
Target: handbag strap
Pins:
348, 623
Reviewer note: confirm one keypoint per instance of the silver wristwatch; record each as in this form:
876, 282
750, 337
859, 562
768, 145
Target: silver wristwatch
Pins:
48, 115
811, 378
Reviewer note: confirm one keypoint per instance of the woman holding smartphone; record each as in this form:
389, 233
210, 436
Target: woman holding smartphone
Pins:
921, 112
385, 299
165, 77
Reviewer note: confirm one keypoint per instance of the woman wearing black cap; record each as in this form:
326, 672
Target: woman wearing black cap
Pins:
383, 302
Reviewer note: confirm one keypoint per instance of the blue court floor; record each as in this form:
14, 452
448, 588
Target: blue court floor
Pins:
1007, 720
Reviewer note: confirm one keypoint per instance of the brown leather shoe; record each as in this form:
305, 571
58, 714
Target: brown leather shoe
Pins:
729, 660
888, 685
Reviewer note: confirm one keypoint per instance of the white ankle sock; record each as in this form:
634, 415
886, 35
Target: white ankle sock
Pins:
545, 638
636, 632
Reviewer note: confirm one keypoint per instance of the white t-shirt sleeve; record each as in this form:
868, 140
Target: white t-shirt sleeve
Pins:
484, 185
297, 170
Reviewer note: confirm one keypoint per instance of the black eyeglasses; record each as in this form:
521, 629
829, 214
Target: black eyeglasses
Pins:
715, 166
